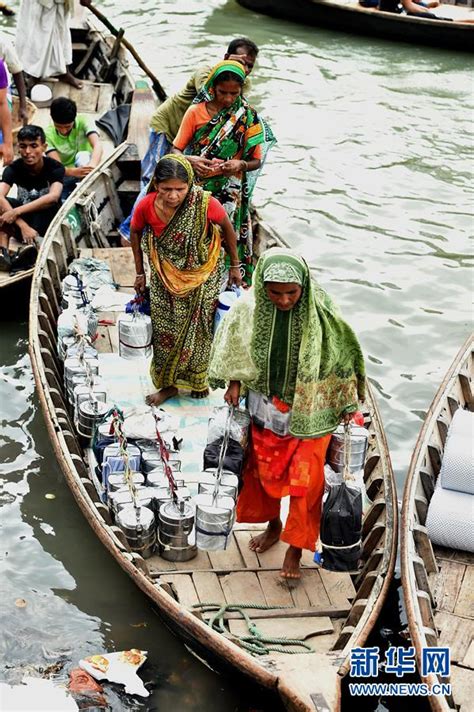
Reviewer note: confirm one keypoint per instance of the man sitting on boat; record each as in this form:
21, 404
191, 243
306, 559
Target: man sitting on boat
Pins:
167, 119
74, 141
286, 345
39, 182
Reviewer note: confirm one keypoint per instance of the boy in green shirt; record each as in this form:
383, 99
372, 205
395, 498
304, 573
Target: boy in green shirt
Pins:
74, 141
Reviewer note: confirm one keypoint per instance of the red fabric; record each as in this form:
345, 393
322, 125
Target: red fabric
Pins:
280, 466
144, 213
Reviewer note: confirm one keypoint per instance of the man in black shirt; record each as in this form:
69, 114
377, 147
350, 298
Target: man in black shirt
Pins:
39, 182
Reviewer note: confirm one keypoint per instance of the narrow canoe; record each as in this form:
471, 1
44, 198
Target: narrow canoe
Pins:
349, 16
103, 67
333, 612
437, 581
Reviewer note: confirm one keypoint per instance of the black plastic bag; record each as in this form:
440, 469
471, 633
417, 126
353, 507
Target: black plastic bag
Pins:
233, 459
341, 528
115, 123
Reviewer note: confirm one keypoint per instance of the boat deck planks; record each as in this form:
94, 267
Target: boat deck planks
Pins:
120, 261
184, 587
312, 583
465, 601
243, 587
250, 557
277, 590
208, 587
447, 583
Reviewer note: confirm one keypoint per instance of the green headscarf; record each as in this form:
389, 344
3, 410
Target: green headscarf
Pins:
308, 357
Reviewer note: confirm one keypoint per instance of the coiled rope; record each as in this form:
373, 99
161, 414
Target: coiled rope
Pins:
255, 642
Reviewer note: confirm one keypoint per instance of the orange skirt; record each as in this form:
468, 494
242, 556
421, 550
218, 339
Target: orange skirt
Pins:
280, 466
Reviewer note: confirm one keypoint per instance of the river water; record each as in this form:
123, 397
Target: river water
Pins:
371, 181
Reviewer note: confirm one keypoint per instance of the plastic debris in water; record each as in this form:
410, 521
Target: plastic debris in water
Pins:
50, 496
86, 691
118, 667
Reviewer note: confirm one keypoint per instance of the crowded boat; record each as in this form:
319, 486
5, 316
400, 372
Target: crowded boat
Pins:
206, 399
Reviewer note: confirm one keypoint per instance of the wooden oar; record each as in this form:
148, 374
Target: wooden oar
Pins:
158, 89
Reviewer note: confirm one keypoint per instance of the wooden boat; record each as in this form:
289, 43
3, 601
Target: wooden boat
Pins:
333, 612
103, 66
349, 16
437, 581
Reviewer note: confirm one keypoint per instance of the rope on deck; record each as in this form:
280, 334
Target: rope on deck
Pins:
255, 642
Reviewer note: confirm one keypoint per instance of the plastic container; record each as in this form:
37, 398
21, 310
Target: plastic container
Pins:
226, 299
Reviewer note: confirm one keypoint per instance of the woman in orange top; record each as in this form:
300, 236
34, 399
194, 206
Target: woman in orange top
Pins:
226, 142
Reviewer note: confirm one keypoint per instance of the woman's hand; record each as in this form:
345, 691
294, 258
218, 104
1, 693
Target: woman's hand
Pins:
232, 394
235, 277
201, 166
232, 167
140, 284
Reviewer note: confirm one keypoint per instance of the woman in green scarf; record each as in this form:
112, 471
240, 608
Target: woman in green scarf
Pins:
302, 370
179, 226
226, 142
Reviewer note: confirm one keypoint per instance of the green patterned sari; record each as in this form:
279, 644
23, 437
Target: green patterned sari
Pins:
308, 357
183, 294
238, 129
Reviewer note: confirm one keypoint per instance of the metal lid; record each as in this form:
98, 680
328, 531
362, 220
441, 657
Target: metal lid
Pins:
219, 504
357, 431
116, 478
128, 516
93, 408
169, 512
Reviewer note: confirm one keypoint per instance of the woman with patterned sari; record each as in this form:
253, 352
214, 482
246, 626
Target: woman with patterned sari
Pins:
226, 142
285, 345
179, 226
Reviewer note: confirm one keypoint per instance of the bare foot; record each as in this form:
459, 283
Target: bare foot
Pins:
200, 394
270, 536
161, 396
69, 78
291, 564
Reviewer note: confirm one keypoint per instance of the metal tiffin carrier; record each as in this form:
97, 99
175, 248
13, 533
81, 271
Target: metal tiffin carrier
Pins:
175, 513
215, 509
356, 449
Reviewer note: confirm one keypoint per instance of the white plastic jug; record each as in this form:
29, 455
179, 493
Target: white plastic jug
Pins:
226, 299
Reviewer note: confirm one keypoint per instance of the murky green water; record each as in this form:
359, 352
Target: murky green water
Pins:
371, 182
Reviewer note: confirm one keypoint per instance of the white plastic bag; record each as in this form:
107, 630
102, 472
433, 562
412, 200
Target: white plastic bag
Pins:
238, 428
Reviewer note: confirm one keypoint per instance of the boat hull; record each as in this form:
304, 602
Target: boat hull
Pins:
363, 21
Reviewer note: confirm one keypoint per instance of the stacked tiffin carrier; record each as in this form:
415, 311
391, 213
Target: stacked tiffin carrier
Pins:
77, 329
218, 487
141, 476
